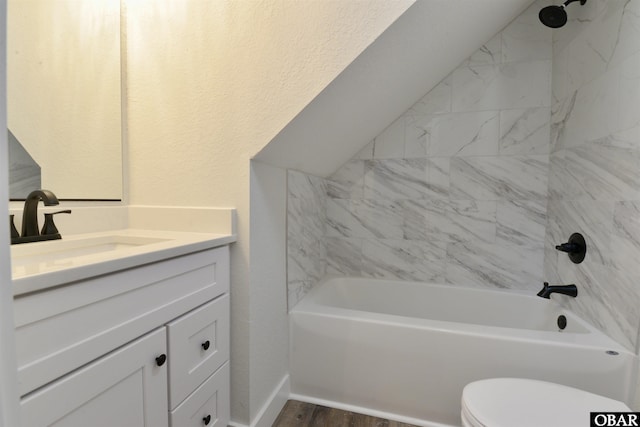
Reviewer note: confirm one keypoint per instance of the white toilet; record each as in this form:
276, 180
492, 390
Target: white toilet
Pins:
509, 402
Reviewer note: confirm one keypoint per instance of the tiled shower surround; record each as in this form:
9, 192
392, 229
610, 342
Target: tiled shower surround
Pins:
594, 177
475, 184
306, 247
455, 189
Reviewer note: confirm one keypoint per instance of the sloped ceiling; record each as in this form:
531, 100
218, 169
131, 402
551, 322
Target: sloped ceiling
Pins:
417, 51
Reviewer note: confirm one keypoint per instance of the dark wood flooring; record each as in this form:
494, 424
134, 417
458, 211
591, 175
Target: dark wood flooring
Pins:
301, 414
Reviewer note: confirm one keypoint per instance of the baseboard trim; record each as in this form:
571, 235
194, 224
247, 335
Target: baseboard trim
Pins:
366, 411
272, 407
274, 404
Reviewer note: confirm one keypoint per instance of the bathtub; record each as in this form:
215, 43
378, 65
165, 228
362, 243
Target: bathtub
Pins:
405, 350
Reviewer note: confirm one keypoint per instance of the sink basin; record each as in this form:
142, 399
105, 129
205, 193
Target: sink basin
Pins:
60, 250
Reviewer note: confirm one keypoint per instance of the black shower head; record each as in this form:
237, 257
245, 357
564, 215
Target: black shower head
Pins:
553, 16
556, 16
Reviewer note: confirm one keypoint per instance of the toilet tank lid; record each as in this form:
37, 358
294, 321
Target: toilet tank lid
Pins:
508, 402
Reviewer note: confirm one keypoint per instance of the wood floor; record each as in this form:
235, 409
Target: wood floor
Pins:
301, 414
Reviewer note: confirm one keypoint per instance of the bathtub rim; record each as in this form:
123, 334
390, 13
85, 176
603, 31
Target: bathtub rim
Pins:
593, 338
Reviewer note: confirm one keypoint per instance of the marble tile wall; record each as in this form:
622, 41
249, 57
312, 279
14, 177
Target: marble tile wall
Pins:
306, 247
455, 190
594, 177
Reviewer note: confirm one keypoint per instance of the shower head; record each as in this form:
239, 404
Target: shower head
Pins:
556, 16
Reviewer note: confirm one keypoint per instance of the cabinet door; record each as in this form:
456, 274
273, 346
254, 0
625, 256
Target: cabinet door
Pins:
125, 388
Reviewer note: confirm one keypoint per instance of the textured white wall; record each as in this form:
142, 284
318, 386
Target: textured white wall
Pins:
209, 84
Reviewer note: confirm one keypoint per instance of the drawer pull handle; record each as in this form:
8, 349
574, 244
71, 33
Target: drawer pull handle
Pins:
206, 344
206, 420
161, 359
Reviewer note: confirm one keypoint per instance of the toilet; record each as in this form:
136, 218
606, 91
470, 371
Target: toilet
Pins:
509, 402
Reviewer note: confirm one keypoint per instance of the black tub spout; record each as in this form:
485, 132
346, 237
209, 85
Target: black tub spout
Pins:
546, 291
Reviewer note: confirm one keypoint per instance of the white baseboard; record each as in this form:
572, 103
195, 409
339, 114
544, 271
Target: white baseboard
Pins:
274, 404
272, 407
366, 411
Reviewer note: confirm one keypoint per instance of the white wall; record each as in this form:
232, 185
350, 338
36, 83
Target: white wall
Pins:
8, 366
269, 333
209, 84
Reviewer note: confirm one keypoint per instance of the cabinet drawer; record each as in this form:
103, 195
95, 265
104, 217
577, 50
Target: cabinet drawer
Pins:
198, 344
208, 405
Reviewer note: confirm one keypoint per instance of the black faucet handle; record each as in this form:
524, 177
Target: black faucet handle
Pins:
14, 230
568, 247
49, 227
576, 248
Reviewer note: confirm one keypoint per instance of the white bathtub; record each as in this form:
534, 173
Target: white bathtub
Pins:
405, 350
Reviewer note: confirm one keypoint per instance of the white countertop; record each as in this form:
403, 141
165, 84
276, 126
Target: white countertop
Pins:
41, 273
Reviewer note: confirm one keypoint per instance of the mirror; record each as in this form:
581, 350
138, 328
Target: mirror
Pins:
64, 98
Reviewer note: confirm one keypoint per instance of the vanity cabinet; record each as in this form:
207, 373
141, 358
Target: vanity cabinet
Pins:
146, 346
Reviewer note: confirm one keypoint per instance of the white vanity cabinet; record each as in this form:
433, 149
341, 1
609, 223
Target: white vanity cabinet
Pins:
145, 346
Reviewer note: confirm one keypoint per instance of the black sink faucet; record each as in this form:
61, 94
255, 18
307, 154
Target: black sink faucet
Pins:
547, 290
30, 213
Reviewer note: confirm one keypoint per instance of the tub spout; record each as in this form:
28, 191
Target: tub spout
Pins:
546, 291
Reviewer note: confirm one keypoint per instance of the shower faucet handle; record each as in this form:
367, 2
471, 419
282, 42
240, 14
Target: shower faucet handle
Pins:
567, 247
576, 248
